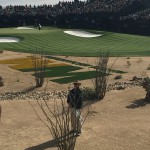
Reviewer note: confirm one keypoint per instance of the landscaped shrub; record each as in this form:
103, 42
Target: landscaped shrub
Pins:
88, 93
146, 86
148, 68
101, 75
39, 64
1, 82
128, 64
58, 120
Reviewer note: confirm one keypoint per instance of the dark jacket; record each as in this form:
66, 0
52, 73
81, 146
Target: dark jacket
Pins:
75, 98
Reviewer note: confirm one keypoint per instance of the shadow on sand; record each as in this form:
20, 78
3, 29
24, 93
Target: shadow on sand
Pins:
27, 90
137, 103
45, 145
54, 142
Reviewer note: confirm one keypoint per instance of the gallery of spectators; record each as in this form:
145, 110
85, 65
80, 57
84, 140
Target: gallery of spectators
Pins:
128, 16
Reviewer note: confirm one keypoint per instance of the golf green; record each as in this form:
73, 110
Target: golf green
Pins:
54, 41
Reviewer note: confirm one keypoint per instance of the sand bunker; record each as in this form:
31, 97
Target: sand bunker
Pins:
8, 39
82, 33
26, 28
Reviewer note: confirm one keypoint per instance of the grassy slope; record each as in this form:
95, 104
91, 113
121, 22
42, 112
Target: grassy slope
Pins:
56, 42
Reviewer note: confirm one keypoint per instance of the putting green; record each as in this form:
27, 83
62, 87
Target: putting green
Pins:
55, 41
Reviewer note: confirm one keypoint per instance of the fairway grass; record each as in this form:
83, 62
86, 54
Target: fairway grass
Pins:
55, 42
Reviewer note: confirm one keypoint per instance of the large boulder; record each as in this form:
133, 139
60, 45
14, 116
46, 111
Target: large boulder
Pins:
118, 77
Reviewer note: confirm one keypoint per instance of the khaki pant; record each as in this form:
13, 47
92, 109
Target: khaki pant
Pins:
0, 112
76, 119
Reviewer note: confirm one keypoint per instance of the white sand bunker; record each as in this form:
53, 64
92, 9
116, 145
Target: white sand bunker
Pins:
26, 28
82, 33
8, 39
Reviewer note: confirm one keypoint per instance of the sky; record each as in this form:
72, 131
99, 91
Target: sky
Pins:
28, 2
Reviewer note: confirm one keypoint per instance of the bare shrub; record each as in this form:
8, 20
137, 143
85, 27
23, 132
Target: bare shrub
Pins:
1, 83
148, 68
0, 112
39, 64
88, 93
101, 75
58, 121
128, 64
146, 86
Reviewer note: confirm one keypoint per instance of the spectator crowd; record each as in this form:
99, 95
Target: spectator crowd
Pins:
140, 15
98, 13
77, 7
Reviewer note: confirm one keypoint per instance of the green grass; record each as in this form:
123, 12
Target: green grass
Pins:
55, 70
75, 76
69, 61
66, 74
54, 41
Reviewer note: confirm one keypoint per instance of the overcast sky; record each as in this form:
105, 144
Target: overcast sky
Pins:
28, 2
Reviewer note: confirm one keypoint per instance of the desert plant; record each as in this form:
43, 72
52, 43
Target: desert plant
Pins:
0, 112
128, 64
59, 122
146, 86
1, 81
148, 68
101, 75
39, 64
88, 93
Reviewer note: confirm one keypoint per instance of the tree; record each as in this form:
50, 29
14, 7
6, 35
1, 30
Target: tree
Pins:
58, 121
40, 63
101, 75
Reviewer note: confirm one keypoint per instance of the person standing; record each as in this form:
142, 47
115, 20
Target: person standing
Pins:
75, 103
0, 112
35, 25
40, 26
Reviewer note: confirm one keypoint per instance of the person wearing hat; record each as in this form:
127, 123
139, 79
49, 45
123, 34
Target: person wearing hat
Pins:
75, 101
